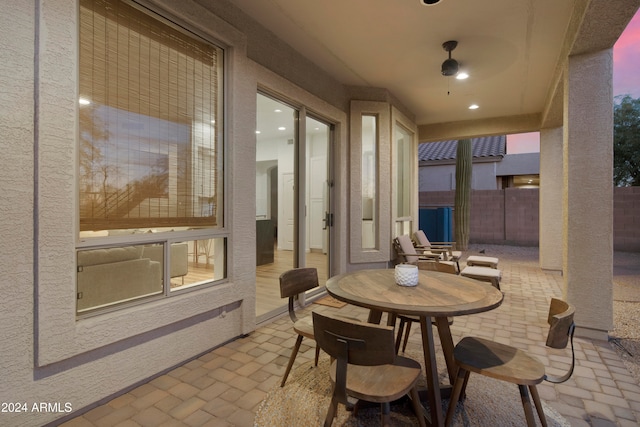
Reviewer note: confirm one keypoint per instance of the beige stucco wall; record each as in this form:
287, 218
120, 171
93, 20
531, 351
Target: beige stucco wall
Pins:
588, 191
551, 185
47, 354
16, 175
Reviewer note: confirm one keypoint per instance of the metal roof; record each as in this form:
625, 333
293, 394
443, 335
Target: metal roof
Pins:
484, 147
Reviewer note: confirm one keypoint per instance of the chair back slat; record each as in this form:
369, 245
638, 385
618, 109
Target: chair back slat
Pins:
297, 281
396, 247
560, 320
561, 329
354, 342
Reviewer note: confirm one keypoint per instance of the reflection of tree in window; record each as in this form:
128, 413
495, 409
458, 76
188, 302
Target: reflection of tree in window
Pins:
94, 171
148, 153
155, 182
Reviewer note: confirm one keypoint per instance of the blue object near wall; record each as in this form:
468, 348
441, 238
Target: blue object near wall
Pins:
436, 223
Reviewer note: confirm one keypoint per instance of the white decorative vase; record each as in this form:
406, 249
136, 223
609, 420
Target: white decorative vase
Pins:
406, 275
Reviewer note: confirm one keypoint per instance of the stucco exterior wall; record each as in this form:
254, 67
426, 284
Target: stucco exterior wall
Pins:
47, 354
443, 177
588, 197
17, 134
519, 164
551, 198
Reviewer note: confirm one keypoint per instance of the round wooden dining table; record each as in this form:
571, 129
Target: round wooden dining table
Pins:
437, 296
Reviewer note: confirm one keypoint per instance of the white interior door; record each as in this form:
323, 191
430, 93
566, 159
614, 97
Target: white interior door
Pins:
287, 217
318, 174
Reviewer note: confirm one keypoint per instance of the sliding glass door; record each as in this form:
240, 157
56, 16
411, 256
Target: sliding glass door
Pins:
293, 215
318, 218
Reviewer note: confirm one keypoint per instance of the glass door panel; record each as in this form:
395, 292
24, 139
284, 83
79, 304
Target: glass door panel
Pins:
292, 200
318, 212
275, 200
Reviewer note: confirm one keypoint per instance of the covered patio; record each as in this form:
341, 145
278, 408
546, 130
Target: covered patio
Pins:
370, 73
226, 386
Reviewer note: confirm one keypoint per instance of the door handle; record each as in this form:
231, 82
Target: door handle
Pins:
327, 220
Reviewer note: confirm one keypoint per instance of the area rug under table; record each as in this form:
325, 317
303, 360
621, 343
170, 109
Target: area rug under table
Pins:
304, 400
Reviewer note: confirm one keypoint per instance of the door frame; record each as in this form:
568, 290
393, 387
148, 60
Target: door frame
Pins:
300, 196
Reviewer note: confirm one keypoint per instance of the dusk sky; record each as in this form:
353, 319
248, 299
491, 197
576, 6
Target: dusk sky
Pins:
626, 80
626, 60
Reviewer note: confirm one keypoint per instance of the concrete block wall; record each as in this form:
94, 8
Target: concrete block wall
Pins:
626, 219
487, 216
511, 216
436, 199
521, 215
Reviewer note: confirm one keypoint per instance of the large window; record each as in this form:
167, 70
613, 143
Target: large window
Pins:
150, 175
404, 169
369, 180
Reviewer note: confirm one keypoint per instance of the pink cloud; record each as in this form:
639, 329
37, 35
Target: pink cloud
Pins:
626, 80
626, 60
523, 143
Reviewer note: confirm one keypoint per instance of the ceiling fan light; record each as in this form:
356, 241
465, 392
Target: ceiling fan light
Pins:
450, 67
462, 75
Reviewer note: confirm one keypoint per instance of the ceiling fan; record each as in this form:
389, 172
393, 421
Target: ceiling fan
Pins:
450, 66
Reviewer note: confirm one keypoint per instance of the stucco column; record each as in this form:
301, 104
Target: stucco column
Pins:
551, 176
588, 191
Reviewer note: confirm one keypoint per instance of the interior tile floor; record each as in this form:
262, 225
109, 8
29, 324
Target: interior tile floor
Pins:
225, 386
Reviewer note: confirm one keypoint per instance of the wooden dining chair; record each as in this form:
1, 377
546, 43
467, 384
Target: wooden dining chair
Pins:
507, 363
292, 283
365, 366
405, 320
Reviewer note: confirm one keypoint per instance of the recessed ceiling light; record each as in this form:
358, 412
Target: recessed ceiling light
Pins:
84, 101
257, 132
473, 107
462, 75
282, 128
277, 110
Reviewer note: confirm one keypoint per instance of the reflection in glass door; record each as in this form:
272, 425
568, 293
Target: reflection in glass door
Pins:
292, 207
275, 199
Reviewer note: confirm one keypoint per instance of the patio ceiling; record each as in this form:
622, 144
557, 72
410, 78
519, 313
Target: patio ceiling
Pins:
514, 51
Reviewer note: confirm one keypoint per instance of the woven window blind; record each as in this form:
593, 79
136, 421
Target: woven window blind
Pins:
150, 115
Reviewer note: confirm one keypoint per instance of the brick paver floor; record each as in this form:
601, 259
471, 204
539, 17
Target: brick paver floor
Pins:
225, 386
